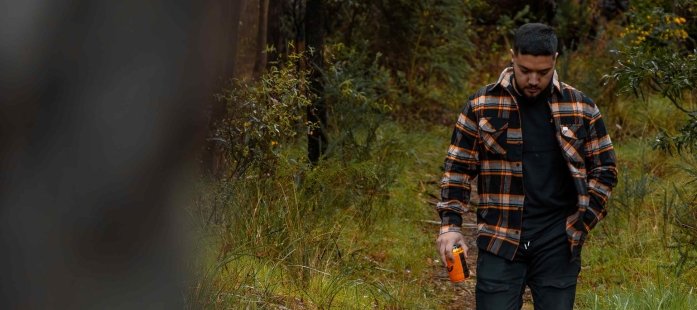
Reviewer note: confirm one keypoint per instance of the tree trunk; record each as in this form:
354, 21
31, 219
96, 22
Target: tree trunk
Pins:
317, 112
274, 36
225, 15
260, 62
94, 156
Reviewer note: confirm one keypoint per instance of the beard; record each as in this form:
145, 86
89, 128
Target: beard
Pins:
538, 92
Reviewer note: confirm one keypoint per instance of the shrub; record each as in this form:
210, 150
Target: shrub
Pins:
358, 92
261, 115
426, 44
435, 74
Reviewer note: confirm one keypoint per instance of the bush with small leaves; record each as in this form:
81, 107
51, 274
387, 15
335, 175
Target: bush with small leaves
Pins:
261, 115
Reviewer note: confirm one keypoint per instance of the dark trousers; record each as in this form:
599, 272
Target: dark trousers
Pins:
544, 264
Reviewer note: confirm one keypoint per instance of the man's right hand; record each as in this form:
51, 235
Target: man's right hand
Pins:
445, 242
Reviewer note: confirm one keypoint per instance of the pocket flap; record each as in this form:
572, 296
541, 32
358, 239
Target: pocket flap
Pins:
492, 124
573, 131
492, 287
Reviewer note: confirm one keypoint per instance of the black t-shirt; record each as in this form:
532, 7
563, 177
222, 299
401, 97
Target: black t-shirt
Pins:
550, 195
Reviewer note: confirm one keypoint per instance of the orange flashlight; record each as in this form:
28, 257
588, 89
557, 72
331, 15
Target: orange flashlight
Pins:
457, 269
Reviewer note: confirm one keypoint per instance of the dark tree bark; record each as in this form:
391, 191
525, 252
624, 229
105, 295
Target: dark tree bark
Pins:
225, 15
317, 112
274, 36
260, 62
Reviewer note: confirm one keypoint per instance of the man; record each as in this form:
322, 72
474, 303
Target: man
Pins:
545, 167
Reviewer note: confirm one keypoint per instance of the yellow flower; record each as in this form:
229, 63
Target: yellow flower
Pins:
682, 34
679, 20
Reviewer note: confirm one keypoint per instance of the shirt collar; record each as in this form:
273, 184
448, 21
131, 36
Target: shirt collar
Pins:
506, 81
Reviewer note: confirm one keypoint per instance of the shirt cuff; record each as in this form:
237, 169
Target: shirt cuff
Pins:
450, 218
450, 228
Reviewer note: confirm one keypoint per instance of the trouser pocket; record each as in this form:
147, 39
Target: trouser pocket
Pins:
499, 282
557, 293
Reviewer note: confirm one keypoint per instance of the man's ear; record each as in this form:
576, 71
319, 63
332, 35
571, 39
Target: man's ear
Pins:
512, 55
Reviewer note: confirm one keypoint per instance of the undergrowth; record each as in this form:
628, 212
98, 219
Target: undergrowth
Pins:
628, 260
339, 235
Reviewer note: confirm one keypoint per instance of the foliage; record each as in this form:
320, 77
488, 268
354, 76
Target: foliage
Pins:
576, 23
438, 65
667, 73
655, 59
426, 45
672, 75
267, 240
686, 140
680, 209
630, 198
262, 115
655, 29
358, 92
304, 238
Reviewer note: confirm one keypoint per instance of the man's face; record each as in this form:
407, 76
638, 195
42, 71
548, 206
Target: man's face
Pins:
533, 73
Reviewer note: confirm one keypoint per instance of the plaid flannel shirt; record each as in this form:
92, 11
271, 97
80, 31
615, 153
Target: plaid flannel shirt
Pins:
487, 142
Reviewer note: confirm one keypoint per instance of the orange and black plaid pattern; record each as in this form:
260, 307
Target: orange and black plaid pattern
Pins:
487, 142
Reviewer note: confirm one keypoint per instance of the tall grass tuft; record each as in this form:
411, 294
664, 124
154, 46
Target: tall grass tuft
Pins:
649, 297
279, 238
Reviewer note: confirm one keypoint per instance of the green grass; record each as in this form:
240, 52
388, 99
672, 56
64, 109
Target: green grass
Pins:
633, 118
646, 296
344, 235
626, 262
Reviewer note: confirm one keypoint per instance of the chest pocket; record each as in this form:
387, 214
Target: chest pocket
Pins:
492, 132
573, 137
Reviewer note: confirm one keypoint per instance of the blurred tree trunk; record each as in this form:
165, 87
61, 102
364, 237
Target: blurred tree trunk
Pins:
95, 156
260, 62
317, 112
274, 37
229, 14
235, 15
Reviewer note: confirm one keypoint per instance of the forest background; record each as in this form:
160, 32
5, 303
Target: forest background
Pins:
323, 161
